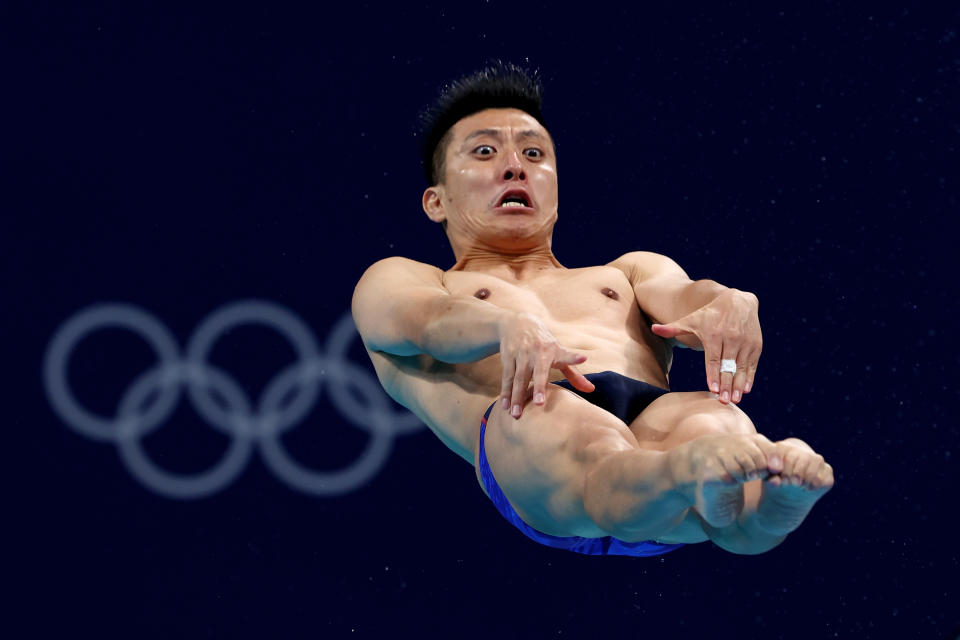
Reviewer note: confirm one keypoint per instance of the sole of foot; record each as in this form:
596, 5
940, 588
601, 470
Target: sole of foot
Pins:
784, 505
719, 503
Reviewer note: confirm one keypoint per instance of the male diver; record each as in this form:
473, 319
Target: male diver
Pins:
604, 459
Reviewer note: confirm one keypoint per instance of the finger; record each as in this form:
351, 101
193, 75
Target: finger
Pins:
671, 330
540, 374
565, 364
506, 382
739, 378
569, 357
726, 378
521, 381
577, 379
752, 363
712, 349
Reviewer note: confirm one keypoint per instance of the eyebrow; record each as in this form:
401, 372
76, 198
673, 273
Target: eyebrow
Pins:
495, 133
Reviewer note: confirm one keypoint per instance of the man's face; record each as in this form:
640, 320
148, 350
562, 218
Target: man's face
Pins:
500, 176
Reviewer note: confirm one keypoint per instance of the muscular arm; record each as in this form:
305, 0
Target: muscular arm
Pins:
664, 291
704, 315
401, 307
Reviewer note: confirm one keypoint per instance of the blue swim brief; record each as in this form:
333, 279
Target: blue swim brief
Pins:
623, 397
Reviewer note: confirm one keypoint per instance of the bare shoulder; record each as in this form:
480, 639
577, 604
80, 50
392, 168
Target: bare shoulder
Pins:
391, 303
394, 275
400, 267
644, 265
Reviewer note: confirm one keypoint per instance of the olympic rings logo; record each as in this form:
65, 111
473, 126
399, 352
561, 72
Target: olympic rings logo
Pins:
245, 424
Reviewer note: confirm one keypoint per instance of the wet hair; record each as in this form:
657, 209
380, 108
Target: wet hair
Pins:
500, 85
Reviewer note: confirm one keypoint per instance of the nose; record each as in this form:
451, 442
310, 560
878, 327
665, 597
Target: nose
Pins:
514, 168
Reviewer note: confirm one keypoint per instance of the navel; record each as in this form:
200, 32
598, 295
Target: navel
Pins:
483, 294
610, 293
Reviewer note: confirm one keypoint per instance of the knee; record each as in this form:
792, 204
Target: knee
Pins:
715, 419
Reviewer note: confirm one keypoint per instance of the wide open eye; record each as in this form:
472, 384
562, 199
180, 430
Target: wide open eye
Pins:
533, 153
484, 150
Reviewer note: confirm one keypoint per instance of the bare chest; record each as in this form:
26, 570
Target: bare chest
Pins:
586, 300
591, 310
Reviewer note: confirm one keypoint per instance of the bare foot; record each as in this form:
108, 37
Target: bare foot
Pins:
789, 496
719, 503
711, 470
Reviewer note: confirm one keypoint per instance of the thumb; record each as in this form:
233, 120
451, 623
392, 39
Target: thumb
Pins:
569, 357
577, 379
669, 330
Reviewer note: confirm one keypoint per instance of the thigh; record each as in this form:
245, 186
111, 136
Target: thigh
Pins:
678, 417
540, 459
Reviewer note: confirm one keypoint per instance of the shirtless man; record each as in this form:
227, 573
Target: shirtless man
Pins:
552, 381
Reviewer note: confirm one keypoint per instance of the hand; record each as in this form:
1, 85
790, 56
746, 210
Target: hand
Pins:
528, 349
728, 328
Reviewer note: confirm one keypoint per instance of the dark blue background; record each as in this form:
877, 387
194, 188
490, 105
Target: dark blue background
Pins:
182, 160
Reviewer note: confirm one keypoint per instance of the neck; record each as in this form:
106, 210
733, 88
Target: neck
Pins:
518, 266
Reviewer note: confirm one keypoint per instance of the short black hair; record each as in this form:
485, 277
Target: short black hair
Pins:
500, 85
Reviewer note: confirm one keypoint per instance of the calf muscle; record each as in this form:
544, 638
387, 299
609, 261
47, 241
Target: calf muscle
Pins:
571, 468
632, 495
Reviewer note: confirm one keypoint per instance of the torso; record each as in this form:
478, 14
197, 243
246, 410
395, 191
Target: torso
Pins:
591, 310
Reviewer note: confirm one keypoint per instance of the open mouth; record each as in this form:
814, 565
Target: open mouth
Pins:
515, 199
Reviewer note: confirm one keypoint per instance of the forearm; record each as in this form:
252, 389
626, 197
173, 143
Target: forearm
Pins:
462, 329
697, 294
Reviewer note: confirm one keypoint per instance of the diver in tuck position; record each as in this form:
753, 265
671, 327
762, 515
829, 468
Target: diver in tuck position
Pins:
552, 381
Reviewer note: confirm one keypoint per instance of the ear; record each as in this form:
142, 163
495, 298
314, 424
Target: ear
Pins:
433, 203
